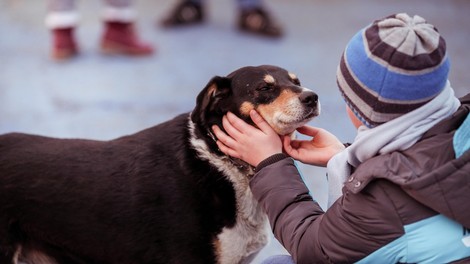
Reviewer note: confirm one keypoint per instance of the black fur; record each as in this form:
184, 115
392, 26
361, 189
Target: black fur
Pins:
142, 198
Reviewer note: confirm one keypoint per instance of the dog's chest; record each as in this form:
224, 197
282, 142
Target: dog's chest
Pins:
250, 232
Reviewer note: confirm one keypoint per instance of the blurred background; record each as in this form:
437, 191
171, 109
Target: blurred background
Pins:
103, 97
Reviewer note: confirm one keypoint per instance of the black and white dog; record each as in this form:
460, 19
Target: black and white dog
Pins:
163, 195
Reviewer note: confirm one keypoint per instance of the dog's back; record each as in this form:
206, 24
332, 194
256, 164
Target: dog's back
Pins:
143, 198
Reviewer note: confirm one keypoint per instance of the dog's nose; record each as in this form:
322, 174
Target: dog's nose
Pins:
309, 98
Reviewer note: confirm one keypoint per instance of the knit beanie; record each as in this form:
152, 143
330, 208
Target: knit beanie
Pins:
392, 67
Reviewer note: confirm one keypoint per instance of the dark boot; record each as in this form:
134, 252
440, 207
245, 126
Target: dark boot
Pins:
63, 44
121, 38
185, 13
258, 21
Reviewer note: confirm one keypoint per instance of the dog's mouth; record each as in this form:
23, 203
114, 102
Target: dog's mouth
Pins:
301, 119
286, 123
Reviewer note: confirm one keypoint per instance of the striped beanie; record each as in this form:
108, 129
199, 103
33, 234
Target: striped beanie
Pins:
392, 67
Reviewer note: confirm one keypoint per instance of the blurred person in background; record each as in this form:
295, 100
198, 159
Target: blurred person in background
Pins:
399, 193
119, 34
252, 17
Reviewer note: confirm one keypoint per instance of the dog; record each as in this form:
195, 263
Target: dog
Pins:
166, 194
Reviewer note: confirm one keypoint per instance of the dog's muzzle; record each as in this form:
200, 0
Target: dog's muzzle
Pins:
309, 99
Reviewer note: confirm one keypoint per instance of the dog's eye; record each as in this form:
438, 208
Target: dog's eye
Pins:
265, 88
296, 81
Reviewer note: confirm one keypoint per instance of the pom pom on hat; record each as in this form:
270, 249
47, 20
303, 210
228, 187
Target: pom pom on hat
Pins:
392, 67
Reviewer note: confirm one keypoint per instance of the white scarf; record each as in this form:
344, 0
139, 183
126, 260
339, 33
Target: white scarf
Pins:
397, 134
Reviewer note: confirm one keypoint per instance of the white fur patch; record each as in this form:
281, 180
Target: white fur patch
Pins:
17, 254
250, 232
31, 256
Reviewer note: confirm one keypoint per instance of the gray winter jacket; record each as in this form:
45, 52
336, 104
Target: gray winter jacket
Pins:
409, 206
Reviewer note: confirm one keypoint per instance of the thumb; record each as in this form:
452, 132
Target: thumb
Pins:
260, 122
286, 140
289, 149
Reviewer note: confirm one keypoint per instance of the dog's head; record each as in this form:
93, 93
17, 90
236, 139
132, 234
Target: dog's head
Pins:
272, 91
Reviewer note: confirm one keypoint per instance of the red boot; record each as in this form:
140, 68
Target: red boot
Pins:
64, 46
121, 38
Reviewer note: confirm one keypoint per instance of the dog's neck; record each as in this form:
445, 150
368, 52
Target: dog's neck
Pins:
241, 165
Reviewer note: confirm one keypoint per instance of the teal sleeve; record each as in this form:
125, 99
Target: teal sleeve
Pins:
461, 139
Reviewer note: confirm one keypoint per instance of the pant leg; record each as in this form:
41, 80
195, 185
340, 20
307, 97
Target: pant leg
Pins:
61, 14
249, 4
119, 3
119, 11
60, 5
278, 259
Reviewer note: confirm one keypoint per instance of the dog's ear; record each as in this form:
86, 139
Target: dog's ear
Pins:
208, 100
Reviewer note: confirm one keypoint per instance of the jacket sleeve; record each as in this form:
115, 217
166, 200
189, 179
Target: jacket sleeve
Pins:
344, 234
293, 214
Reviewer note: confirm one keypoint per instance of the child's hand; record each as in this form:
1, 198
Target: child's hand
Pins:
246, 142
317, 151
